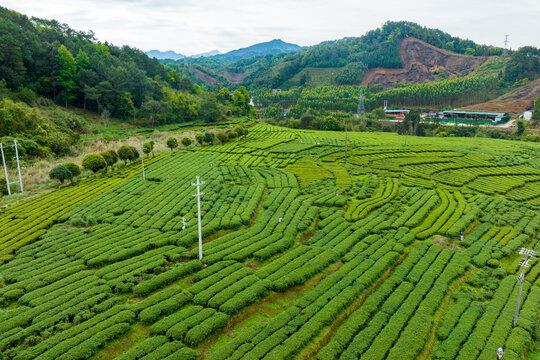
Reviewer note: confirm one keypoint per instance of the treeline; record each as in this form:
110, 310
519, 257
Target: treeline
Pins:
438, 94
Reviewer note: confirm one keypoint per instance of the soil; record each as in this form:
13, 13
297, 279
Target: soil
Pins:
422, 62
515, 101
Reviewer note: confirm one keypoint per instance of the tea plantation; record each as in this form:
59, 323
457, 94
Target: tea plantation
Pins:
305, 256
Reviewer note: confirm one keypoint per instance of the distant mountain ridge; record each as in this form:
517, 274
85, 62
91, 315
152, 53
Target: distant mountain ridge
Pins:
160, 55
273, 47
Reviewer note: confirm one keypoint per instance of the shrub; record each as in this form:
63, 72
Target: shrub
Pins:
240, 130
60, 173
186, 141
200, 138
73, 168
148, 147
222, 137
94, 162
108, 158
172, 143
208, 138
135, 153
125, 153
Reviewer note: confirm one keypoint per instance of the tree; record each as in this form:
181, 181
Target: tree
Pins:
105, 117
331, 123
224, 96
67, 74
108, 158
520, 129
147, 147
94, 162
536, 112
60, 173
412, 119
199, 137
134, 152
125, 153
208, 138
240, 130
186, 141
222, 137
73, 168
82, 61
172, 143
209, 111
152, 108
241, 100
113, 155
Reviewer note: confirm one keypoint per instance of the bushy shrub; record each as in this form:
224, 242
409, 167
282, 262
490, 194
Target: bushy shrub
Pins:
73, 168
94, 162
200, 138
60, 173
125, 153
186, 141
209, 138
172, 143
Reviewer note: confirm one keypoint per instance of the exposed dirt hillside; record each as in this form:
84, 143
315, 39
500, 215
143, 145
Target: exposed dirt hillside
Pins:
423, 62
517, 100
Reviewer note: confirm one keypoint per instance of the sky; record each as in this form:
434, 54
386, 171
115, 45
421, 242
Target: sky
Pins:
195, 26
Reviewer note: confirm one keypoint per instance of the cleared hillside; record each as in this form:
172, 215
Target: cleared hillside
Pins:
517, 100
423, 62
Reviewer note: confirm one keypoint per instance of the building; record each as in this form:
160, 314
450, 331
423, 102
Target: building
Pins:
396, 114
470, 117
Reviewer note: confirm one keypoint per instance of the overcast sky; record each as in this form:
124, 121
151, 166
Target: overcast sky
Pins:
195, 26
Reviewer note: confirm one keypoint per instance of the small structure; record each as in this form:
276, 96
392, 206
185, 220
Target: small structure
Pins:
527, 115
470, 117
275, 91
396, 114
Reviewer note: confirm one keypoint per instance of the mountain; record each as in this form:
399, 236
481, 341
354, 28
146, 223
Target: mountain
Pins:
206, 54
160, 55
273, 47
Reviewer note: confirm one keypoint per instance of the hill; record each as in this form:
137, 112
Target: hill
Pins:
514, 101
273, 47
303, 256
423, 62
161, 55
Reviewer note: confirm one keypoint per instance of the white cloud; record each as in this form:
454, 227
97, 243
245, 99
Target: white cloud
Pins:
191, 26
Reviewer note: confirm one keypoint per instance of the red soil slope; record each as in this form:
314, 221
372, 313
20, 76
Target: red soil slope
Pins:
421, 60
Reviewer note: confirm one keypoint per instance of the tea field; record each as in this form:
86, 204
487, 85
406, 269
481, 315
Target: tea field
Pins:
305, 256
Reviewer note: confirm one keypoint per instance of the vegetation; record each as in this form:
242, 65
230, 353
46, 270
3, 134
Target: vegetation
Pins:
94, 162
368, 252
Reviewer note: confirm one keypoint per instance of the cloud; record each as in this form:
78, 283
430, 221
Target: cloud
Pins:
195, 26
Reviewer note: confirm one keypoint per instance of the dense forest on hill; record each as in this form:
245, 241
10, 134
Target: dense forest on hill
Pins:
43, 62
377, 48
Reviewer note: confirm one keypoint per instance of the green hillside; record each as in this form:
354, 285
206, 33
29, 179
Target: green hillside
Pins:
304, 255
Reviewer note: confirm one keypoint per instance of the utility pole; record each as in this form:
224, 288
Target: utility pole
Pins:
345, 142
18, 164
142, 159
5, 169
505, 50
198, 195
524, 264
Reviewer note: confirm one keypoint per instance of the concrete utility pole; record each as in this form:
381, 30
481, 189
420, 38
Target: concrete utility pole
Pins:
18, 164
524, 264
142, 159
5, 169
198, 195
345, 142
